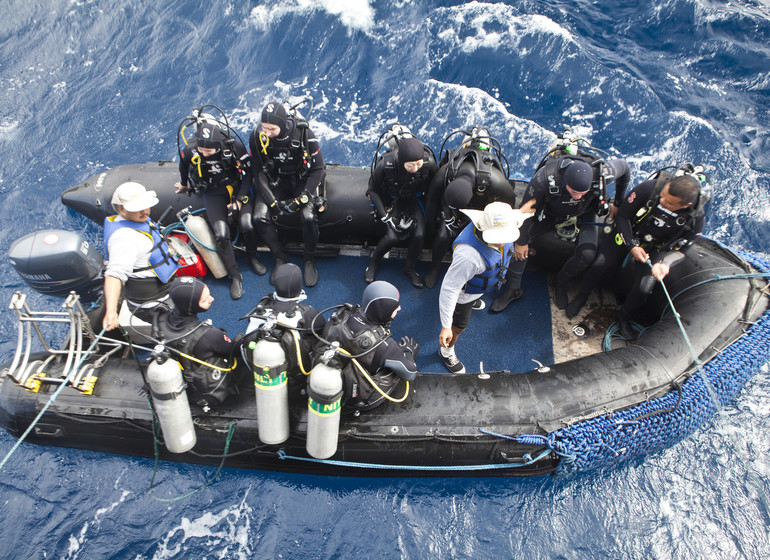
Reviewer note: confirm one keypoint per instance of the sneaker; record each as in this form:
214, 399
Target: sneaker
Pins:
452, 362
505, 300
479, 304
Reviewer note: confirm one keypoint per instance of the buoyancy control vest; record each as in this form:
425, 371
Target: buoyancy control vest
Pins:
223, 169
211, 386
162, 263
358, 394
658, 227
286, 158
484, 164
390, 170
495, 260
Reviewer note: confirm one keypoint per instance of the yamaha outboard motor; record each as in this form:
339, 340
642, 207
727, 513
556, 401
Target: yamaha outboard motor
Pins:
56, 262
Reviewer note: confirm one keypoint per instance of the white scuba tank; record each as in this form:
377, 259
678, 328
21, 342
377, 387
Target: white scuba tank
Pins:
202, 235
324, 406
272, 391
169, 398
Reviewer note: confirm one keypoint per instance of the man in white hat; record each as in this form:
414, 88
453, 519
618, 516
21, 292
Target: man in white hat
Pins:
480, 260
138, 257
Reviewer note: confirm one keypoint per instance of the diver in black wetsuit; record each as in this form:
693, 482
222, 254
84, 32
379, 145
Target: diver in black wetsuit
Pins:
288, 174
399, 179
198, 341
219, 166
562, 190
656, 223
362, 332
291, 322
473, 168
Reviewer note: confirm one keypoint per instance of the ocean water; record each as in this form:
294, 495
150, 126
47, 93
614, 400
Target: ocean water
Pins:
88, 85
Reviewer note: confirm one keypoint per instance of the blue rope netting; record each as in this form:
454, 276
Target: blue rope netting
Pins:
644, 429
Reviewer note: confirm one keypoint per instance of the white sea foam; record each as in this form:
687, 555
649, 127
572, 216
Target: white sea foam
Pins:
354, 14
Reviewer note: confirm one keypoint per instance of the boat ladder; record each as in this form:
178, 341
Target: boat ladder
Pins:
31, 374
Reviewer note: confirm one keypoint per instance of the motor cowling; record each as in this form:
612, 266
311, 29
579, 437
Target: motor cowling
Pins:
324, 407
169, 398
56, 262
272, 391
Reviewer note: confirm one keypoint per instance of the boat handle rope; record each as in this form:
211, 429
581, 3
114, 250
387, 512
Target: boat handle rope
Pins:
51, 400
751, 474
355, 464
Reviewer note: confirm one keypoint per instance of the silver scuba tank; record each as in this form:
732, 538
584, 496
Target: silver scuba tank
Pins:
169, 398
272, 391
324, 406
202, 235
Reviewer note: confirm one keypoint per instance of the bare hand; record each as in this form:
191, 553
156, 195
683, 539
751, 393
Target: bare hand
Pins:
659, 271
179, 188
445, 337
520, 252
639, 254
110, 321
613, 211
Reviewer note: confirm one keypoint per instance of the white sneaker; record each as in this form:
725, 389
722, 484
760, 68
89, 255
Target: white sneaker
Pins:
479, 304
452, 362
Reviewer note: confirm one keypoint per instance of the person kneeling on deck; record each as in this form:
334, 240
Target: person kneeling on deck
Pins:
658, 220
372, 362
138, 256
282, 316
204, 352
480, 259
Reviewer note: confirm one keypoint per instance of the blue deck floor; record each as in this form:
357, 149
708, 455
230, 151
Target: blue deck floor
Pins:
508, 340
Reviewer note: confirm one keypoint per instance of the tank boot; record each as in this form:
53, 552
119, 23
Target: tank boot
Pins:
311, 274
432, 277
624, 325
508, 297
255, 264
278, 262
236, 286
370, 274
413, 277
560, 295
574, 306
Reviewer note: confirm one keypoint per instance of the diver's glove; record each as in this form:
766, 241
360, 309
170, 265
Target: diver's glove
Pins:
410, 344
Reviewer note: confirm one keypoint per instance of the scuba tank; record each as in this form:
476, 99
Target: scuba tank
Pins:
203, 239
272, 390
169, 399
324, 407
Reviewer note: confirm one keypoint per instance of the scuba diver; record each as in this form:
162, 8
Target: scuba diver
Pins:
204, 352
655, 224
481, 255
569, 183
398, 179
217, 164
288, 179
371, 361
470, 176
283, 317
137, 254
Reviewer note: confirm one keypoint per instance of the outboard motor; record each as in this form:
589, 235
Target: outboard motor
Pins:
272, 390
56, 262
169, 398
324, 407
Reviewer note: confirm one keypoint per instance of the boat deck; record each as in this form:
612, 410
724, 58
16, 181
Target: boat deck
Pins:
531, 330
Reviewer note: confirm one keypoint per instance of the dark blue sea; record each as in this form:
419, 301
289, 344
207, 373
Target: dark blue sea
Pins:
86, 85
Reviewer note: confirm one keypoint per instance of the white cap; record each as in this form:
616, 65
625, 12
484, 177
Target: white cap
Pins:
133, 197
498, 222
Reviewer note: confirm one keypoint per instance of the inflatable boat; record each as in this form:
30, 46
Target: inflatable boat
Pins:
586, 409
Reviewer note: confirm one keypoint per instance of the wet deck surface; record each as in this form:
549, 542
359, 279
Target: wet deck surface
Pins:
510, 340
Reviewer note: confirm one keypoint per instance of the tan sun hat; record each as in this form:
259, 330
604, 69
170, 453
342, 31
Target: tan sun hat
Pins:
498, 222
133, 197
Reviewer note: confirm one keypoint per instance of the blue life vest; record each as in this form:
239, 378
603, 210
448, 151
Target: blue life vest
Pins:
161, 262
495, 260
